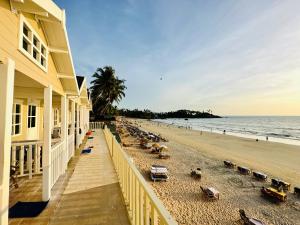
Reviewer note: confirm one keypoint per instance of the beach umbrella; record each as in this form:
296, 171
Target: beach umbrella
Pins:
155, 145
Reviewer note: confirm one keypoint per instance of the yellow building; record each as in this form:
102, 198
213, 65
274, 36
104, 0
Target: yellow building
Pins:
40, 97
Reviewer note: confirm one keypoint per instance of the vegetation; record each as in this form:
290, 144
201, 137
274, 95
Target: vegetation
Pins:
106, 90
147, 114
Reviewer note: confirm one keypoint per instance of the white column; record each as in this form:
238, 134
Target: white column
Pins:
7, 76
64, 133
73, 121
47, 143
78, 139
88, 117
81, 123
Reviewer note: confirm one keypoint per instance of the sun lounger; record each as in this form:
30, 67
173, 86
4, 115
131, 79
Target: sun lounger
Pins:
281, 184
196, 173
273, 194
244, 170
211, 192
249, 221
297, 190
260, 176
158, 173
229, 164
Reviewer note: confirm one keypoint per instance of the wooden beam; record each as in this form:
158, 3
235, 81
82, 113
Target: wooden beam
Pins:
65, 76
58, 50
45, 19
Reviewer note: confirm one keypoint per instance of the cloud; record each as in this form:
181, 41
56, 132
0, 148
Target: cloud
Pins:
222, 55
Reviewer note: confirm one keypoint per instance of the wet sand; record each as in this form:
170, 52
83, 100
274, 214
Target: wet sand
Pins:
189, 149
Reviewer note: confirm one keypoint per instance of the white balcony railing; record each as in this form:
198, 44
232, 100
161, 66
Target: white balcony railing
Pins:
95, 125
58, 161
143, 206
26, 157
71, 146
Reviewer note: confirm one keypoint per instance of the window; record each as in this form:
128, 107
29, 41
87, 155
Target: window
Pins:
56, 117
31, 122
32, 46
16, 119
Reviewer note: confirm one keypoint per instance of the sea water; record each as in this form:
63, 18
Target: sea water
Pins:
283, 129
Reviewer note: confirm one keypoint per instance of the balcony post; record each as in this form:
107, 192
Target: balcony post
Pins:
7, 76
81, 123
72, 132
64, 119
47, 143
78, 141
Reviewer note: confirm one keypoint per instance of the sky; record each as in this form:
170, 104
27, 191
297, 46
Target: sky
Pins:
234, 57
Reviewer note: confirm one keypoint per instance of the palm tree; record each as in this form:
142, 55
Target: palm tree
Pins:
106, 89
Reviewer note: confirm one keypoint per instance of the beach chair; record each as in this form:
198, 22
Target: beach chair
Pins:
297, 191
229, 164
196, 173
211, 192
274, 194
159, 173
280, 184
249, 221
244, 170
260, 176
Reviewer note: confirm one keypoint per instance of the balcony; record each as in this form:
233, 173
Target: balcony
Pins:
103, 187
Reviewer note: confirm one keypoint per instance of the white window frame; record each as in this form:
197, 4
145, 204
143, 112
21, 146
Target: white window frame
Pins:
14, 118
32, 47
56, 117
29, 116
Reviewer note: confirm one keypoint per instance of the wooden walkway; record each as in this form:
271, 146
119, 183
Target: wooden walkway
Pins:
91, 196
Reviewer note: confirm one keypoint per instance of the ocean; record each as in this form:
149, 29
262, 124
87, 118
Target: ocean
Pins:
283, 129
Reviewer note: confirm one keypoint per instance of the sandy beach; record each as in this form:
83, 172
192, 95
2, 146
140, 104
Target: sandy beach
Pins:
189, 149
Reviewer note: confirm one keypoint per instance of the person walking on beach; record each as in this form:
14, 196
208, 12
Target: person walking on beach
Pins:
267, 138
224, 131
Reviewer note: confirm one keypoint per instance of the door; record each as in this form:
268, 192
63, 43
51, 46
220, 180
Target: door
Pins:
32, 122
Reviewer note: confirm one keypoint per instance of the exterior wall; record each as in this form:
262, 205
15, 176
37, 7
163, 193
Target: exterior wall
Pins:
9, 47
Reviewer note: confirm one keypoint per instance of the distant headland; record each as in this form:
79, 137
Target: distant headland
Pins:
183, 113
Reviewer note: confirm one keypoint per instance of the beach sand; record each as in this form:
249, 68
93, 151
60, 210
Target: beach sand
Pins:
189, 149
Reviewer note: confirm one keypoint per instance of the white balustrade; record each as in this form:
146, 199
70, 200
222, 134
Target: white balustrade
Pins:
95, 125
143, 206
26, 157
58, 156
71, 146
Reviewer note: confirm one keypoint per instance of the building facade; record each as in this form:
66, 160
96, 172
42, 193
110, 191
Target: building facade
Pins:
44, 106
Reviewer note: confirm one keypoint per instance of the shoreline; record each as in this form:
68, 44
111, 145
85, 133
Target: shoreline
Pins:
241, 135
188, 149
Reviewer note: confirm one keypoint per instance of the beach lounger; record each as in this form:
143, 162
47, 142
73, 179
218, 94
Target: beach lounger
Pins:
159, 173
280, 184
249, 221
297, 190
244, 170
229, 164
273, 194
196, 173
211, 192
260, 176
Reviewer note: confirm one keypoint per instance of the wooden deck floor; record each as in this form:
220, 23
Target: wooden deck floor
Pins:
88, 194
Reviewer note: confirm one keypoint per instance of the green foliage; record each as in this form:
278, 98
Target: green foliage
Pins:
106, 90
147, 114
